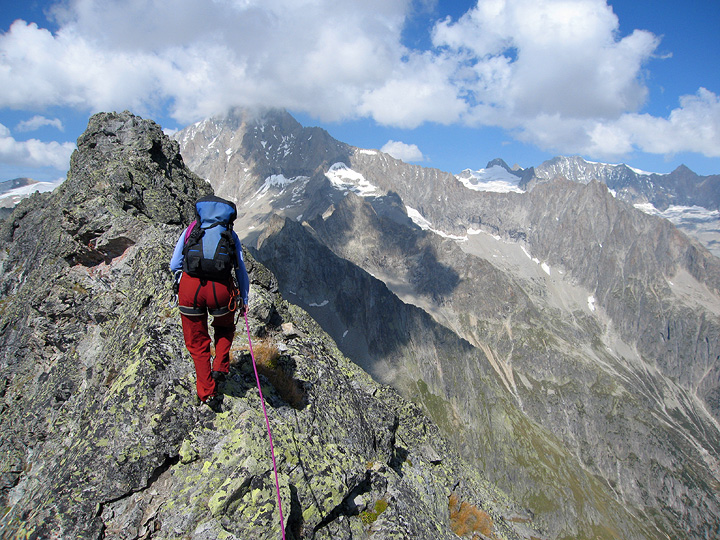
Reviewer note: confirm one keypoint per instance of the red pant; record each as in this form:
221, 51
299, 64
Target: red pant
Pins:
196, 299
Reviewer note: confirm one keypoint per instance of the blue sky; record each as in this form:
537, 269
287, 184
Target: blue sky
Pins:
446, 84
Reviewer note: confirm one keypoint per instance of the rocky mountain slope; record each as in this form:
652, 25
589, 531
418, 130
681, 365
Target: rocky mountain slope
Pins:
564, 340
102, 434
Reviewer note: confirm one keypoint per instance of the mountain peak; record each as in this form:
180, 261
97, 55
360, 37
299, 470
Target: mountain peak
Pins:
498, 162
684, 170
143, 171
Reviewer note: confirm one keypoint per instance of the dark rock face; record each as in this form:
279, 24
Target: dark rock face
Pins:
102, 436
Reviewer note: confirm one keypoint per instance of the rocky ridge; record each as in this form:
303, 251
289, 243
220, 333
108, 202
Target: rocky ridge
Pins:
103, 437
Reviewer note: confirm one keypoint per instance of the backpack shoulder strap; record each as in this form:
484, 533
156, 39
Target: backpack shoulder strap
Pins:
189, 230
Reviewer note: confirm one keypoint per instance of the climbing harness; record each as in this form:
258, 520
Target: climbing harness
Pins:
267, 423
232, 303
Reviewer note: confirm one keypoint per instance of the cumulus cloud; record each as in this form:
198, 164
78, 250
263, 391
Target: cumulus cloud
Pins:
694, 126
405, 152
528, 58
555, 73
33, 153
202, 57
37, 121
420, 90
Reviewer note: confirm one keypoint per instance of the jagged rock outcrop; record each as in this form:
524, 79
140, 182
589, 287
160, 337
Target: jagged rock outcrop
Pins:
102, 435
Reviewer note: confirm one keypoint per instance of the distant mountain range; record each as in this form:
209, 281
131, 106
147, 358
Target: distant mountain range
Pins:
691, 202
17, 189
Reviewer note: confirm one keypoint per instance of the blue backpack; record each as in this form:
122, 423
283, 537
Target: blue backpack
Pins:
209, 251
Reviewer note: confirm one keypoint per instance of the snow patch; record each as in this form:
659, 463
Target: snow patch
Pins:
275, 180
681, 214
321, 304
526, 252
418, 219
345, 179
14, 196
543, 265
643, 173
496, 179
425, 225
591, 303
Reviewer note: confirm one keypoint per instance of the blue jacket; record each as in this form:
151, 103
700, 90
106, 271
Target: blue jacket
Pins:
176, 264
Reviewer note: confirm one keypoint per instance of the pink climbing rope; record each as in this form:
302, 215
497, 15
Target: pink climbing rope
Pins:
267, 423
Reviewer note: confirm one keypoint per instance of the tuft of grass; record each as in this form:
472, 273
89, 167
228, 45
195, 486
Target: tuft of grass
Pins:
269, 364
466, 519
266, 355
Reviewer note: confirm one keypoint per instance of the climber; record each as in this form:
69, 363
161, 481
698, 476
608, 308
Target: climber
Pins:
210, 277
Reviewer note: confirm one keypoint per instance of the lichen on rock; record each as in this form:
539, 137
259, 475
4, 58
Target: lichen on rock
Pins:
102, 433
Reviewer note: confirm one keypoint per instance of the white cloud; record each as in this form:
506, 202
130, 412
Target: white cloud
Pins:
557, 73
692, 127
37, 122
403, 151
319, 56
420, 90
546, 57
33, 153
39, 69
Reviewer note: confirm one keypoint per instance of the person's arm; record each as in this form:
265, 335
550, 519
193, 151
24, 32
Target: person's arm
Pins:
176, 263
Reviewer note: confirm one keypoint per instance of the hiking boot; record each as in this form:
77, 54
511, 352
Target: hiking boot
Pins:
215, 403
219, 376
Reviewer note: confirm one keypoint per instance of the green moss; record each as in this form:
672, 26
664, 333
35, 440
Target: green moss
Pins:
370, 516
381, 506
541, 504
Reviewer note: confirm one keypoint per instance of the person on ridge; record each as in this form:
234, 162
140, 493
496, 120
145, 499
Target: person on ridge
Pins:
205, 258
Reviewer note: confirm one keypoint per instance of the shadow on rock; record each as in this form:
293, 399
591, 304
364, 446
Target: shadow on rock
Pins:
275, 371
